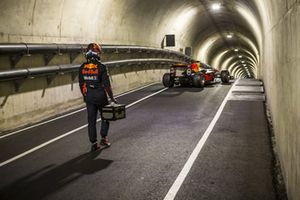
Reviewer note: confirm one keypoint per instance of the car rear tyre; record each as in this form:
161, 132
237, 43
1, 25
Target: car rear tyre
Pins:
167, 80
199, 81
225, 77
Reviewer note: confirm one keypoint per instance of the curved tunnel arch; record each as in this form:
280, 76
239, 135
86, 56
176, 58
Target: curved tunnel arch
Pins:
223, 53
210, 48
244, 61
236, 64
237, 55
244, 32
239, 40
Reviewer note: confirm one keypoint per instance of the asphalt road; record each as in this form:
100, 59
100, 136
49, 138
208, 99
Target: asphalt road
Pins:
149, 149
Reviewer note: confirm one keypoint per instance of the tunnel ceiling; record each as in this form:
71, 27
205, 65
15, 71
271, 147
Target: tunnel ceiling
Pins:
195, 23
230, 41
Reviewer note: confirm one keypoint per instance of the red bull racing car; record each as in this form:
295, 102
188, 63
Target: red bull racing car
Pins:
196, 74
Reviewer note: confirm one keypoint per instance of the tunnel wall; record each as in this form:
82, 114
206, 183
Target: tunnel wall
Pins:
37, 100
68, 21
280, 74
109, 22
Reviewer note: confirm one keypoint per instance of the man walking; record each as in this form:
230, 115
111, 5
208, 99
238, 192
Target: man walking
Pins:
95, 86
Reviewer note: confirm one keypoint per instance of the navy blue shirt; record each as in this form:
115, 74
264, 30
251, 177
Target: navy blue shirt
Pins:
94, 82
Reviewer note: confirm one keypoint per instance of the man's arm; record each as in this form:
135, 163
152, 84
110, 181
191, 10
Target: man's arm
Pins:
106, 83
82, 84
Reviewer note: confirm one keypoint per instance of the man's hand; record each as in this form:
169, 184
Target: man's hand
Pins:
114, 100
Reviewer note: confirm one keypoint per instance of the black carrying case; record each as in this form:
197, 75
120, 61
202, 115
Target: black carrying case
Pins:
113, 112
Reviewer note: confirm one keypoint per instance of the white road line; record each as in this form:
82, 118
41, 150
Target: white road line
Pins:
147, 97
41, 146
41, 123
69, 133
188, 165
140, 88
74, 112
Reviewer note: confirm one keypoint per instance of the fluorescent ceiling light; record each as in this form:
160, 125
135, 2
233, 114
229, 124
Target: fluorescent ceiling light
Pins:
216, 6
236, 50
243, 61
244, 65
240, 56
229, 36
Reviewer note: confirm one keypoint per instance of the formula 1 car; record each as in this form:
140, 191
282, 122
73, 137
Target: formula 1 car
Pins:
193, 75
187, 76
211, 74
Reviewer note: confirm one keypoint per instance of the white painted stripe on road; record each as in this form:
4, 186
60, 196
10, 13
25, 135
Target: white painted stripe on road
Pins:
69, 133
188, 165
41, 146
39, 124
74, 112
147, 97
131, 91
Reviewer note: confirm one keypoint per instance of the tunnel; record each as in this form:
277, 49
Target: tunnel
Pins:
42, 46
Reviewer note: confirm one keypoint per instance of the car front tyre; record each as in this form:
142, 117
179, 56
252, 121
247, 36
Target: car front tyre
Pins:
225, 77
199, 81
167, 80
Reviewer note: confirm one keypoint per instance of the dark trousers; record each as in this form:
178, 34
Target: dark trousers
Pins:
92, 110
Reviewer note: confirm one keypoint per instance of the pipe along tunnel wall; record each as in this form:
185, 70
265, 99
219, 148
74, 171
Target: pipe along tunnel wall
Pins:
265, 32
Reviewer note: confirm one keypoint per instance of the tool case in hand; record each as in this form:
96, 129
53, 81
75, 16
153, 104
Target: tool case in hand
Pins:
113, 112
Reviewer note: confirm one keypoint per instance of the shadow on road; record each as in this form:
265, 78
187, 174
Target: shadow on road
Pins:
47, 180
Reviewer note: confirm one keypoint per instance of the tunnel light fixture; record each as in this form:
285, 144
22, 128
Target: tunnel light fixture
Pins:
240, 56
243, 61
236, 50
244, 65
216, 6
229, 36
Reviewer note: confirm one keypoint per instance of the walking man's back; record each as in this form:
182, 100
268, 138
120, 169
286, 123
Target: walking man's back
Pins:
95, 87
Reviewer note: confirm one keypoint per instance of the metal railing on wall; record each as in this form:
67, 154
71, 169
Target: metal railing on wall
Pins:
50, 72
15, 74
17, 51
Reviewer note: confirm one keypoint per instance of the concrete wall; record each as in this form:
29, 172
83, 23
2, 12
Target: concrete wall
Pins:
68, 21
280, 74
55, 21
110, 22
37, 100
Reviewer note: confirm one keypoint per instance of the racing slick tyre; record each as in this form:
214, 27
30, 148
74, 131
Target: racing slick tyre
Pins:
167, 80
225, 77
184, 82
199, 81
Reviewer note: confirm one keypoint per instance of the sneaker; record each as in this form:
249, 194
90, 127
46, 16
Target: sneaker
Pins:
104, 142
95, 146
